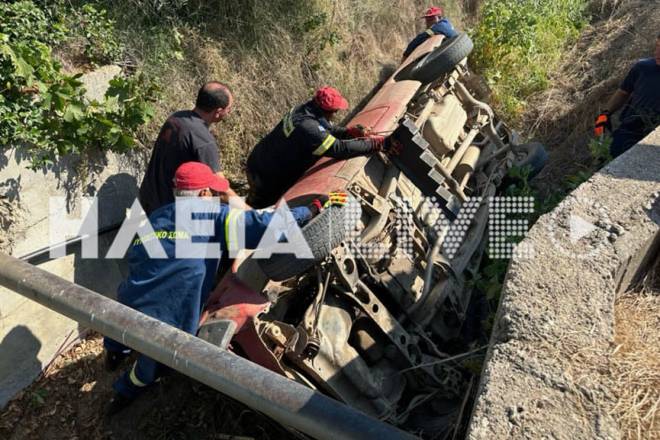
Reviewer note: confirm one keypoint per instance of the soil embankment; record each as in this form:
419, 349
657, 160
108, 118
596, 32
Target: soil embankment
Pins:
562, 117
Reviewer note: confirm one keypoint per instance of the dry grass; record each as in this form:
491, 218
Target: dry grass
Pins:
635, 362
270, 64
562, 117
621, 377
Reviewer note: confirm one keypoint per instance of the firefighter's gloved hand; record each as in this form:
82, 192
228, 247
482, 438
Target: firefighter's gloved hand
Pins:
356, 131
377, 142
335, 198
602, 123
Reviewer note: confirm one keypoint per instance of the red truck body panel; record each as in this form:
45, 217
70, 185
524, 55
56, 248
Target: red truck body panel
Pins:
382, 114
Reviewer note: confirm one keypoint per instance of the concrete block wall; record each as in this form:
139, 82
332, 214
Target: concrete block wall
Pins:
559, 304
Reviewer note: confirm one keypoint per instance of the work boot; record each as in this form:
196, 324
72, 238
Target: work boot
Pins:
118, 402
114, 359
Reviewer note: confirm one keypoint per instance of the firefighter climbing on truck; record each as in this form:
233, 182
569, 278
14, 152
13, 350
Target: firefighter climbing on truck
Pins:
304, 135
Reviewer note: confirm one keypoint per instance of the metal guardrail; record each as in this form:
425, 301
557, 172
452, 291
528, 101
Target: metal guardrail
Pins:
286, 401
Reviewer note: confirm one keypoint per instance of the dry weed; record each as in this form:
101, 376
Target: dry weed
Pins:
623, 375
621, 32
635, 362
271, 72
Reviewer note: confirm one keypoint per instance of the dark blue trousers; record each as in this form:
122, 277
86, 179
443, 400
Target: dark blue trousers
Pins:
626, 136
143, 373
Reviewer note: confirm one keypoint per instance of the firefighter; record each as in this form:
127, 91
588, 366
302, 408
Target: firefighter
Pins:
436, 24
184, 137
639, 95
304, 135
174, 286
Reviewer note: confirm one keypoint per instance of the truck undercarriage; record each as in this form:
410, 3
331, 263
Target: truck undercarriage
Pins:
368, 319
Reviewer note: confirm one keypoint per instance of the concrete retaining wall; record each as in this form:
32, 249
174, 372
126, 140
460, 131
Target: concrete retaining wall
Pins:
31, 335
557, 307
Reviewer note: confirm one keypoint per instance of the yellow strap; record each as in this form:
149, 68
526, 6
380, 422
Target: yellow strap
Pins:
133, 377
327, 143
430, 32
231, 232
287, 123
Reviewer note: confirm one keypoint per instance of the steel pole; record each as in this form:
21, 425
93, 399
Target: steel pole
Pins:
288, 402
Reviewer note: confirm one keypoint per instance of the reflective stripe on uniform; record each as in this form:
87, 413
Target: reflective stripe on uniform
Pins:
133, 377
231, 231
430, 32
287, 123
325, 145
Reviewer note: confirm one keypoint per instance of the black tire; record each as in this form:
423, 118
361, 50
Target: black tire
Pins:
439, 62
323, 233
532, 155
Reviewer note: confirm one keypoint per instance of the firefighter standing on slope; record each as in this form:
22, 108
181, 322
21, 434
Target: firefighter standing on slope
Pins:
436, 24
639, 95
304, 135
174, 286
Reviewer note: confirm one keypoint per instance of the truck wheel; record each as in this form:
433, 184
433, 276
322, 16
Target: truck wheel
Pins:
439, 62
532, 155
323, 233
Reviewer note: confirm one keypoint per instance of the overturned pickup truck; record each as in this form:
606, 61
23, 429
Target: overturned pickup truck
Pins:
367, 318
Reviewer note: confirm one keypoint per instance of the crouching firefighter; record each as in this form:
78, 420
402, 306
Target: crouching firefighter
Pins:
171, 282
304, 135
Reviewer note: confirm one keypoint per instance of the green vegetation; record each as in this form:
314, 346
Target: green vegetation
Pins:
600, 149
43, 109
96, 31
518, 43
271, 54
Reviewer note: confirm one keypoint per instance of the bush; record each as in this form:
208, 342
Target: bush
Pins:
518, 43
44, 110
28, 23
101, 44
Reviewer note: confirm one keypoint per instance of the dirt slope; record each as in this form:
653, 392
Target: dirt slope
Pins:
562, 117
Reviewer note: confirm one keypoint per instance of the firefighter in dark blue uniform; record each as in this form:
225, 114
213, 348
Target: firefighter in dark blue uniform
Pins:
436, 24
304, 135
175, 285
639, 96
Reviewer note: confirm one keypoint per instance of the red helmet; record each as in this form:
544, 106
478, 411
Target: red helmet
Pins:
433, 11
329, 99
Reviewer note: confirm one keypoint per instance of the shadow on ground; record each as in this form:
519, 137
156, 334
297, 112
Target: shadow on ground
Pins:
69, 402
